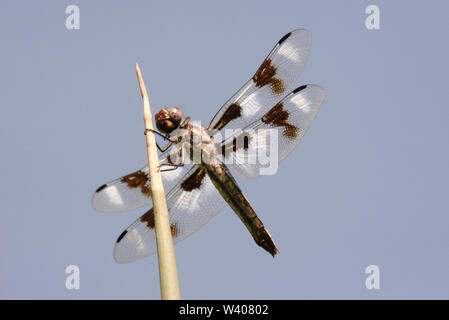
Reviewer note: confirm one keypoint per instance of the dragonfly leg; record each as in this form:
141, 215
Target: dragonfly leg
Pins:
162, 149
168, 145
159, 134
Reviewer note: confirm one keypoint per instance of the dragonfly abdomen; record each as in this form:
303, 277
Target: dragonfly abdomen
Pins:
227, 186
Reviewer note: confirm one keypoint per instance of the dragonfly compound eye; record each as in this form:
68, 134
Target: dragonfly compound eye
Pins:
175, 115
168, 120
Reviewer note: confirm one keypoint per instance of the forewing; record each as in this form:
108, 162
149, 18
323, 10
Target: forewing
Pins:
191, 204
291, 117
134, 190
274, 78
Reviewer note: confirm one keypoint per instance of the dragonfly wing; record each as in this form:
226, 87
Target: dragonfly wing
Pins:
134, 190
191, 204
275, 77
244, 151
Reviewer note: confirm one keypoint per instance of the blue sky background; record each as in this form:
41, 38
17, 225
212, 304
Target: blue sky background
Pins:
367, 185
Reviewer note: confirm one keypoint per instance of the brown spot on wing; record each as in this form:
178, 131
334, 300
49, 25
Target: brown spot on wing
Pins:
225, 149
232, 112
194, 181
245, 142
148, 218
174, 229
277, 117
137, 179
265, 75
239, 145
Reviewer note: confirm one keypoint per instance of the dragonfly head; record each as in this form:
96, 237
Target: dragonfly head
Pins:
168, 120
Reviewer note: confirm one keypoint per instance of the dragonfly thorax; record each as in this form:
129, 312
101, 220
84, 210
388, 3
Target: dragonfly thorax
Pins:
195, 142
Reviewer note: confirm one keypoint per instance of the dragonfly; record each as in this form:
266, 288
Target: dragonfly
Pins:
198, 189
